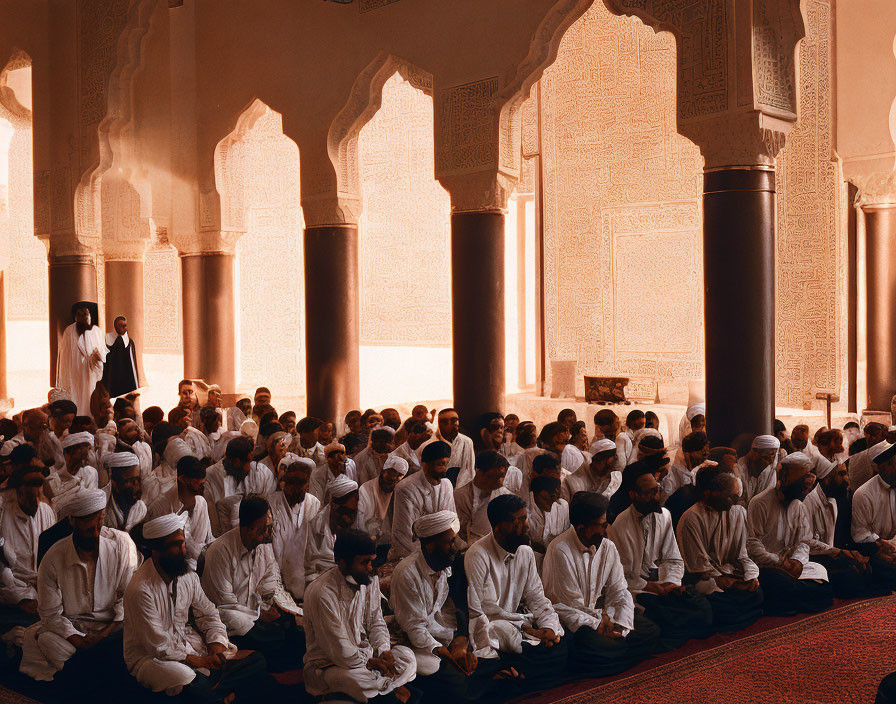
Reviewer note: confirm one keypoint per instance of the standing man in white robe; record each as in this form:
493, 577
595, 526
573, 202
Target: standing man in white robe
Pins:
82, 354
293, 509
173, 636
80, 585
349, 651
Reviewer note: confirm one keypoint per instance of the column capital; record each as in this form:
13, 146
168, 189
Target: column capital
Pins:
875, 189
331, 210
206, 242
481, 191
732, 140
124, 250
68, 247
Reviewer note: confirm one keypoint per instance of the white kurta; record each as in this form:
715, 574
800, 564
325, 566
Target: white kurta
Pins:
20, 534
415, 497
778, 533
369, 465
115, 517
319, 549
314, 453
544, 527
241, 582
462, 455
646, 543
322, 475
576, 578
224, 494
408, 455
157, 635
375, 512
76, 373
198, 529
504, 592
523, 461
822, 512
571, 459
62, 483
292, 525
71, 604
583, 480
874, 512
344, 628
861, 468
715, 542
417, 595
677, 476
472, 506
198, 442
754, 485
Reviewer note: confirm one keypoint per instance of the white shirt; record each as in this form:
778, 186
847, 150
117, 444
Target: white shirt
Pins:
375, 511
571, 459
523, 461
197, 442
291, 529
715, 542
874, 512
861, 468
544, 527
198, 529
646, 543
472, 505
314, 453
20, 534
319, 549
157, 635
224, 494
322, 475
415, 497
417, 595
462, 455
754, 485
239, 582
115, 517
822, 512
410, 456
504, 587
368, 464
583, 480
677, 476
576, 577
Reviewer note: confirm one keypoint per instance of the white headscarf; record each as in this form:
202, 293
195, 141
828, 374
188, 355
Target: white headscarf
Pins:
86, 502
435, 523
163, 526
83, 438
341, 485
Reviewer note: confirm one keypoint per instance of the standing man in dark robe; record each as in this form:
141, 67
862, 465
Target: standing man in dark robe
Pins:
121, 374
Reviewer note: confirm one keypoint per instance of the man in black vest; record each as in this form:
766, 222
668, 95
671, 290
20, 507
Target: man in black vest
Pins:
121, 374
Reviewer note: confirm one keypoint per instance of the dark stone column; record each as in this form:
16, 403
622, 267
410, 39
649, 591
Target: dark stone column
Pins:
332, 321
477, 307
209, 319
72, 278
852, 268
4, 392
739, 300
880, 281
124, 296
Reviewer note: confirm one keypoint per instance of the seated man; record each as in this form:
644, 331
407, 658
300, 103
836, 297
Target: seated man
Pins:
211, 420
23, 516
778, 543
376, 505
653, 567
418, 433
336, 517
581, 568
233, 478
76, 474
336, 464
472, 499
242, 579
874, 516
547, 513
829, 510
173, 637
80, 587
129, 437
293, 509
694, 451
306, 443
421, 494
756, 469
125, 508
447, 670
598, 475
371, 459
712, 537
510, 617
349, 652
185, 497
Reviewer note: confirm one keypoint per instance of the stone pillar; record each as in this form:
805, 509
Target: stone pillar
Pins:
209, 318
477, 307
72, 278
332, 320
739, 300
880, 281
4, 391
124, 296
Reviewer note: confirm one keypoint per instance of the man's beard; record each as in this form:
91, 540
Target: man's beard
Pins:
174, 565
441, 561
514, 542
82, 328
237, 473
793, 492
645, 507
838, 491
85, 544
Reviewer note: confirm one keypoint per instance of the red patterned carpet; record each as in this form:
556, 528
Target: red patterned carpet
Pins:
838, 657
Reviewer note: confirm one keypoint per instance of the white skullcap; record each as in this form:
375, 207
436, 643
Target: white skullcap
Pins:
163, 526
125, 421
796, 458
766, 442
603, 445
289, 459
399, 464
86, 502
110, 428
435, 523
876, 450
650, 432
341, 485
58, 395
333, 446
249, 428
71, 439
121, 459
175, 450
698, 409
824, 467
296, 460
9, 446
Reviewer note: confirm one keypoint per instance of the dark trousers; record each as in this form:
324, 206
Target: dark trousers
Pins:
594, 655
12, 616
247, 678
457, 590
735, 609
679, 616
80, 671
281, 642
848, 581
450, 685
541, 667
786, 595
886, 692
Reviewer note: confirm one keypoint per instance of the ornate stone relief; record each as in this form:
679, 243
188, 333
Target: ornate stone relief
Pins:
162, 330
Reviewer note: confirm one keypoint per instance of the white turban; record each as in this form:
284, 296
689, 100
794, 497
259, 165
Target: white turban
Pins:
289, 459
796, 458
341, 485
120, 459
696, 410
399, 464
249, 428
824, 467
71, 439
58, 395
110, 428
63, 504
435, 523
766, 442
86, 502
332, 447
876, 450
163, 526
603, 445
9, 446
175, 450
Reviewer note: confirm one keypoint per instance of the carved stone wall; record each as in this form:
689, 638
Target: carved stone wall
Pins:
405, 226
622, 221
162, 329
810, 298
